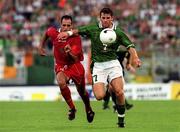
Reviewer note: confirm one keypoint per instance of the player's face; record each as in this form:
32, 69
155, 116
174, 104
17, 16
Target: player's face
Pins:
66, 25
106, 20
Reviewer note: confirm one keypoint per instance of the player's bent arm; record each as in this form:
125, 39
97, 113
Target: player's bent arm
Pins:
133, 52
76, 49
134, 59
74, 57
41, 49
68, 50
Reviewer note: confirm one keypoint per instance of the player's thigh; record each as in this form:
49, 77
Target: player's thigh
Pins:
61, 78
118, 84
99, 90
76, 73
100, 76
114, 72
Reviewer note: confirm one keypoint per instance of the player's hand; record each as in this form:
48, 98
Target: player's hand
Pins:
42, 51
62, 36
130, 68
136, 62
67, 48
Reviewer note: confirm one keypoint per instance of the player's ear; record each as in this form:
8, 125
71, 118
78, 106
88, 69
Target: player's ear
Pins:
72, 26
112, 18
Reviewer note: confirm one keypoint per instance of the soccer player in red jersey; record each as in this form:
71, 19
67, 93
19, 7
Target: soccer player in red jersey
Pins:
68, 54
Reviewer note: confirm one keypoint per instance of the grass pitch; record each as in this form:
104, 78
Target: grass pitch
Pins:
145, 116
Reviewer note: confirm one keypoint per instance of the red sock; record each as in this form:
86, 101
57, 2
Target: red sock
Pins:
67, 96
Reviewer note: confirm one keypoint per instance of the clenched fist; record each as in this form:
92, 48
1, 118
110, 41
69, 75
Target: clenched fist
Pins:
67, 48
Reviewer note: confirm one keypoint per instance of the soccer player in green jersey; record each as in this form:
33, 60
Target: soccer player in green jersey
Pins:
106, 65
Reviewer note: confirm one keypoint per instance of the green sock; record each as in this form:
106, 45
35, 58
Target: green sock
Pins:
121, 113
126, 102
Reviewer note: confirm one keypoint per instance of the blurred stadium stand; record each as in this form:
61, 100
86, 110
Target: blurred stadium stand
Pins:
153, 25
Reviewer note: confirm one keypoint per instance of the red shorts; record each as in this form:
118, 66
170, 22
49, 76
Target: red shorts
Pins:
75, 71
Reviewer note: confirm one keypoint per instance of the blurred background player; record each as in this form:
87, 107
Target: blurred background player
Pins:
68, 54
123, 57
106, 66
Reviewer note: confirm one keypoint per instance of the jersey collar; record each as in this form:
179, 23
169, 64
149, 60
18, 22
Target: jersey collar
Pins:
59, 29
113, 26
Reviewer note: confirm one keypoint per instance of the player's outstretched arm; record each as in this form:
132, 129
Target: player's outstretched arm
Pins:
134, 59
41, 48
65, 35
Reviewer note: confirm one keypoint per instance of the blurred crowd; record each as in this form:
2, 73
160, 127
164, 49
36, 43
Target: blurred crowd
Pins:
148, 22
153, 25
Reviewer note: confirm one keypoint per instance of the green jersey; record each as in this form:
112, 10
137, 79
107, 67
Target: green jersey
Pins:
98, 52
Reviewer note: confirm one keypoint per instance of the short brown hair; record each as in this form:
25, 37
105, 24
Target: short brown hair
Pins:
66, 17
106, 10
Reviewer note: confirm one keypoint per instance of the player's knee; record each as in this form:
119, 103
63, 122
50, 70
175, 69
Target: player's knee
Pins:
62, 84
99, 96
119, 93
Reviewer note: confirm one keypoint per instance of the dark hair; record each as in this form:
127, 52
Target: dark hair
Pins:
106, 10
66, 17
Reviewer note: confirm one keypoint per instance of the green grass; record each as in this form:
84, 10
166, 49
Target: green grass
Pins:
146, 116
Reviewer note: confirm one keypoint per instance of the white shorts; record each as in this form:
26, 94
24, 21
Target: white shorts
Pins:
105, 72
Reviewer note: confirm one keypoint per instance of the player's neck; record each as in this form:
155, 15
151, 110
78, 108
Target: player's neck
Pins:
112, 25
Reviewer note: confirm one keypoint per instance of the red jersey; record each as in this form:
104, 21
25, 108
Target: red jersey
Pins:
61, 58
